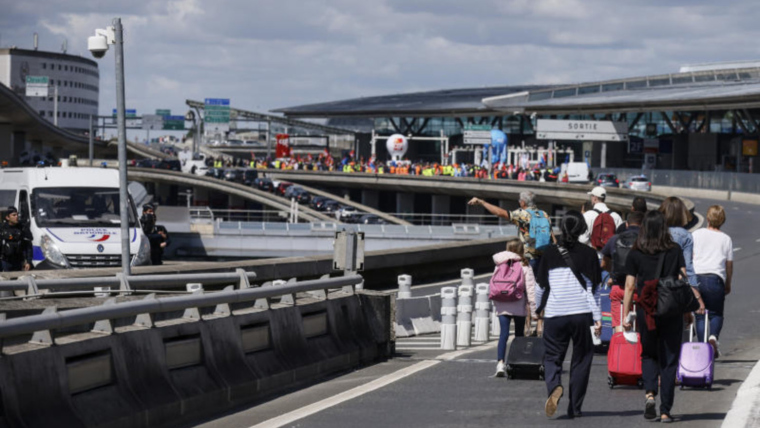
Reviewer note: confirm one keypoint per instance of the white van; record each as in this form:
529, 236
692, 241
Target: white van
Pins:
577, 172
73, 215
193, 163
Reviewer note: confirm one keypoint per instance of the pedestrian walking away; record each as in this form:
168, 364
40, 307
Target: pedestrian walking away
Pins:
514, 278
599, 228
565, 283
654, 256
615, 253
16, 241
676, 217
714, 267
533, 225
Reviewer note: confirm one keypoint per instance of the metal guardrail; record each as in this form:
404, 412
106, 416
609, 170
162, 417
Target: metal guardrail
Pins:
713, 180
126, 284
42, 324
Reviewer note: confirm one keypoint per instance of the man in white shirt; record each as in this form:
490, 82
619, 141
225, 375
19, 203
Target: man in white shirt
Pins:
598, 195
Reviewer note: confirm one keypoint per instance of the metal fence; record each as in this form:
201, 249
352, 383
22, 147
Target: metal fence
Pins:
714, 180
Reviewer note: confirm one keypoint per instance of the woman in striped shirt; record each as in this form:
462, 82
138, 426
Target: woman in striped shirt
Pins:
566, 279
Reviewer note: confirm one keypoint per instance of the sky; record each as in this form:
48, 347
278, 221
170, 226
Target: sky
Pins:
266, 54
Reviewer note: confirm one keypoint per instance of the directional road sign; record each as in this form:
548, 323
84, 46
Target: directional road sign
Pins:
477, 134
37, 86
216, 114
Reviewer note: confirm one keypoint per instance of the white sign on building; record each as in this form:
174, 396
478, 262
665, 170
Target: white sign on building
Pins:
37, 86
581, 130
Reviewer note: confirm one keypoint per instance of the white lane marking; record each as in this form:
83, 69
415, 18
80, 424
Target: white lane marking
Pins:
366, 388
757, 240
347, 395
737, 249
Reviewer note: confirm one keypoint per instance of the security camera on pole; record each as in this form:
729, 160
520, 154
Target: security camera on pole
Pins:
98, 46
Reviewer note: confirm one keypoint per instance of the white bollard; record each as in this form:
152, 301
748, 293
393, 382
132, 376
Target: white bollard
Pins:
464, 316
482, 312
404, 287
467, 275
495, 326
449, 318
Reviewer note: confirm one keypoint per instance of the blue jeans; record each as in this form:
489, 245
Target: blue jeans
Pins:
504, 321
534, 263
713, 293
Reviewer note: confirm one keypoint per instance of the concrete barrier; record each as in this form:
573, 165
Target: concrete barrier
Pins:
418, 315
183, 369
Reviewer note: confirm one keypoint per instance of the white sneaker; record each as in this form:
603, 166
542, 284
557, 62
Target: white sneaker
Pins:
715, 344
500, 369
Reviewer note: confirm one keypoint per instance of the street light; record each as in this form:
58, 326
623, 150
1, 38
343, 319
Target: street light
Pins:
190, 116
98, 46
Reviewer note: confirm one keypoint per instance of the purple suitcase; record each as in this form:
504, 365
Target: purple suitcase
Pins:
696, 365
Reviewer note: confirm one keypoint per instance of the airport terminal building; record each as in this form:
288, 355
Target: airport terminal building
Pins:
704, 117
75, 80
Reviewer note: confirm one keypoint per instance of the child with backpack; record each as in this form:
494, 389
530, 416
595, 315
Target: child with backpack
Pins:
512, 290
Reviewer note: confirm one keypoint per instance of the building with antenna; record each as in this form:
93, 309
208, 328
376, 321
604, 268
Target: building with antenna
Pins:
74, 84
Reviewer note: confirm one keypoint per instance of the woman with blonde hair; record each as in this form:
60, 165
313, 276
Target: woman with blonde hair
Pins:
516, 310
676, 218
714, 266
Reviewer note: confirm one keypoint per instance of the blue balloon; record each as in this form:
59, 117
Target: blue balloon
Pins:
498, 137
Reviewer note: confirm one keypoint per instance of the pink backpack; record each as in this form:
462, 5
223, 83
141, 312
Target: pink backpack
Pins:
507, 283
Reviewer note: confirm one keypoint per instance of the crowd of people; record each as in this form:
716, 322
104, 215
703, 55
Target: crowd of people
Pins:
596, 247
350, 164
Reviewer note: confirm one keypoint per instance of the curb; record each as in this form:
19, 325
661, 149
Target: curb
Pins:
745, 411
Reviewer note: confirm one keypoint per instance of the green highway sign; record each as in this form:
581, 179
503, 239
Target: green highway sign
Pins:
37, 86
473, 127
216, 110
40, 80
163, 112
174, 123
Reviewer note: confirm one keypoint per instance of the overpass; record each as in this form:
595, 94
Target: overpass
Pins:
213, 184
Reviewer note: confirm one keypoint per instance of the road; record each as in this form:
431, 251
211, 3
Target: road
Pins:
431, 388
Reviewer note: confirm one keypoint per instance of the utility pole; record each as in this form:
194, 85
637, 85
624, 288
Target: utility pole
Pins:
121, 122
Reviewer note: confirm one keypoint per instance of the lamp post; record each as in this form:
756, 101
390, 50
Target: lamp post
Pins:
98, 46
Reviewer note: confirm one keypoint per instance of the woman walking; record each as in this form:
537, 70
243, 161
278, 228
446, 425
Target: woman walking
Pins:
676, 217
518, 309
714, 266
661, 336
566, 279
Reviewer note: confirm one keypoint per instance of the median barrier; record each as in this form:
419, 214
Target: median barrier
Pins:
181, 369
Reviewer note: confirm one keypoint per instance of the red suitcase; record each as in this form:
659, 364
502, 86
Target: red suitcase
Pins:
624, 360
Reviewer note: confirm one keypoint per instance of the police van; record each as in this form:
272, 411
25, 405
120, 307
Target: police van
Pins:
73, 214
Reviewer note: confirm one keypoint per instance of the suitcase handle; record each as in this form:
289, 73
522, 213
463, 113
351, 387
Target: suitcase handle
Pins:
693, 327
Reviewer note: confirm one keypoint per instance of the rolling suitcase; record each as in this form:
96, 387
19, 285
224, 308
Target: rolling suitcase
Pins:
605, 305
526, 358
624, 360
696, 366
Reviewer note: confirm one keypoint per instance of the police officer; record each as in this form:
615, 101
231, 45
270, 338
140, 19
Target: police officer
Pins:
156, 234
16, 241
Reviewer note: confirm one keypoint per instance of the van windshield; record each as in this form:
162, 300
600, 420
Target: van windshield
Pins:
78, 206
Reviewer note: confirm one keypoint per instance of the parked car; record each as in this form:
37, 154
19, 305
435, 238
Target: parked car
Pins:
301, 196
282, 187
317, 201
234, 142
639, 182
607, 180
147, 163
249, 175
330, 206
264, 184
233, 175
347, 214
371, 219
290, 191
170, 164
215, 173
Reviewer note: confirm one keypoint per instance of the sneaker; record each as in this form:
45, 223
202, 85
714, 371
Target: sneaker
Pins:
553, 401
500, 369
715, 344
650, 411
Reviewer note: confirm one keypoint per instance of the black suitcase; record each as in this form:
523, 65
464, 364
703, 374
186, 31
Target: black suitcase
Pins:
526, 358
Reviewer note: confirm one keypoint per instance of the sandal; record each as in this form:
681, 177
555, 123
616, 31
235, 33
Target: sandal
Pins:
650, 407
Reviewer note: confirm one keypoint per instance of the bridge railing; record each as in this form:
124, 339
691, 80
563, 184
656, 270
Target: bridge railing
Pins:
714, 180
41, 325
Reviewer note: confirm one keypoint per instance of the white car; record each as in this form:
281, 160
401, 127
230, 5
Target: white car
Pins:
639, 182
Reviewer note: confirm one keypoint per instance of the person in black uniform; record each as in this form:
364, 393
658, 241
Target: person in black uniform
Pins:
16, 241
156, 234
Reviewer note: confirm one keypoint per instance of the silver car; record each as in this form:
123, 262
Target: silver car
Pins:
639, 182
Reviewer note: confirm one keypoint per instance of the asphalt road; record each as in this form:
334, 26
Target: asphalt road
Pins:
458, 391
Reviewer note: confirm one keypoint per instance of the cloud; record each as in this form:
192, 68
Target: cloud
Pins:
277, 53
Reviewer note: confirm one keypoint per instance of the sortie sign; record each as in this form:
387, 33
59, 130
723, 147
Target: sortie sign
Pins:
581, 130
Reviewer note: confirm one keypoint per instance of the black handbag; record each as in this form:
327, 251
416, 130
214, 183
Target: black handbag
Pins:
674, 295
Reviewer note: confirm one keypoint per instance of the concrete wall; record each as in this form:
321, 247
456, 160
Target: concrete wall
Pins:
182, 369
